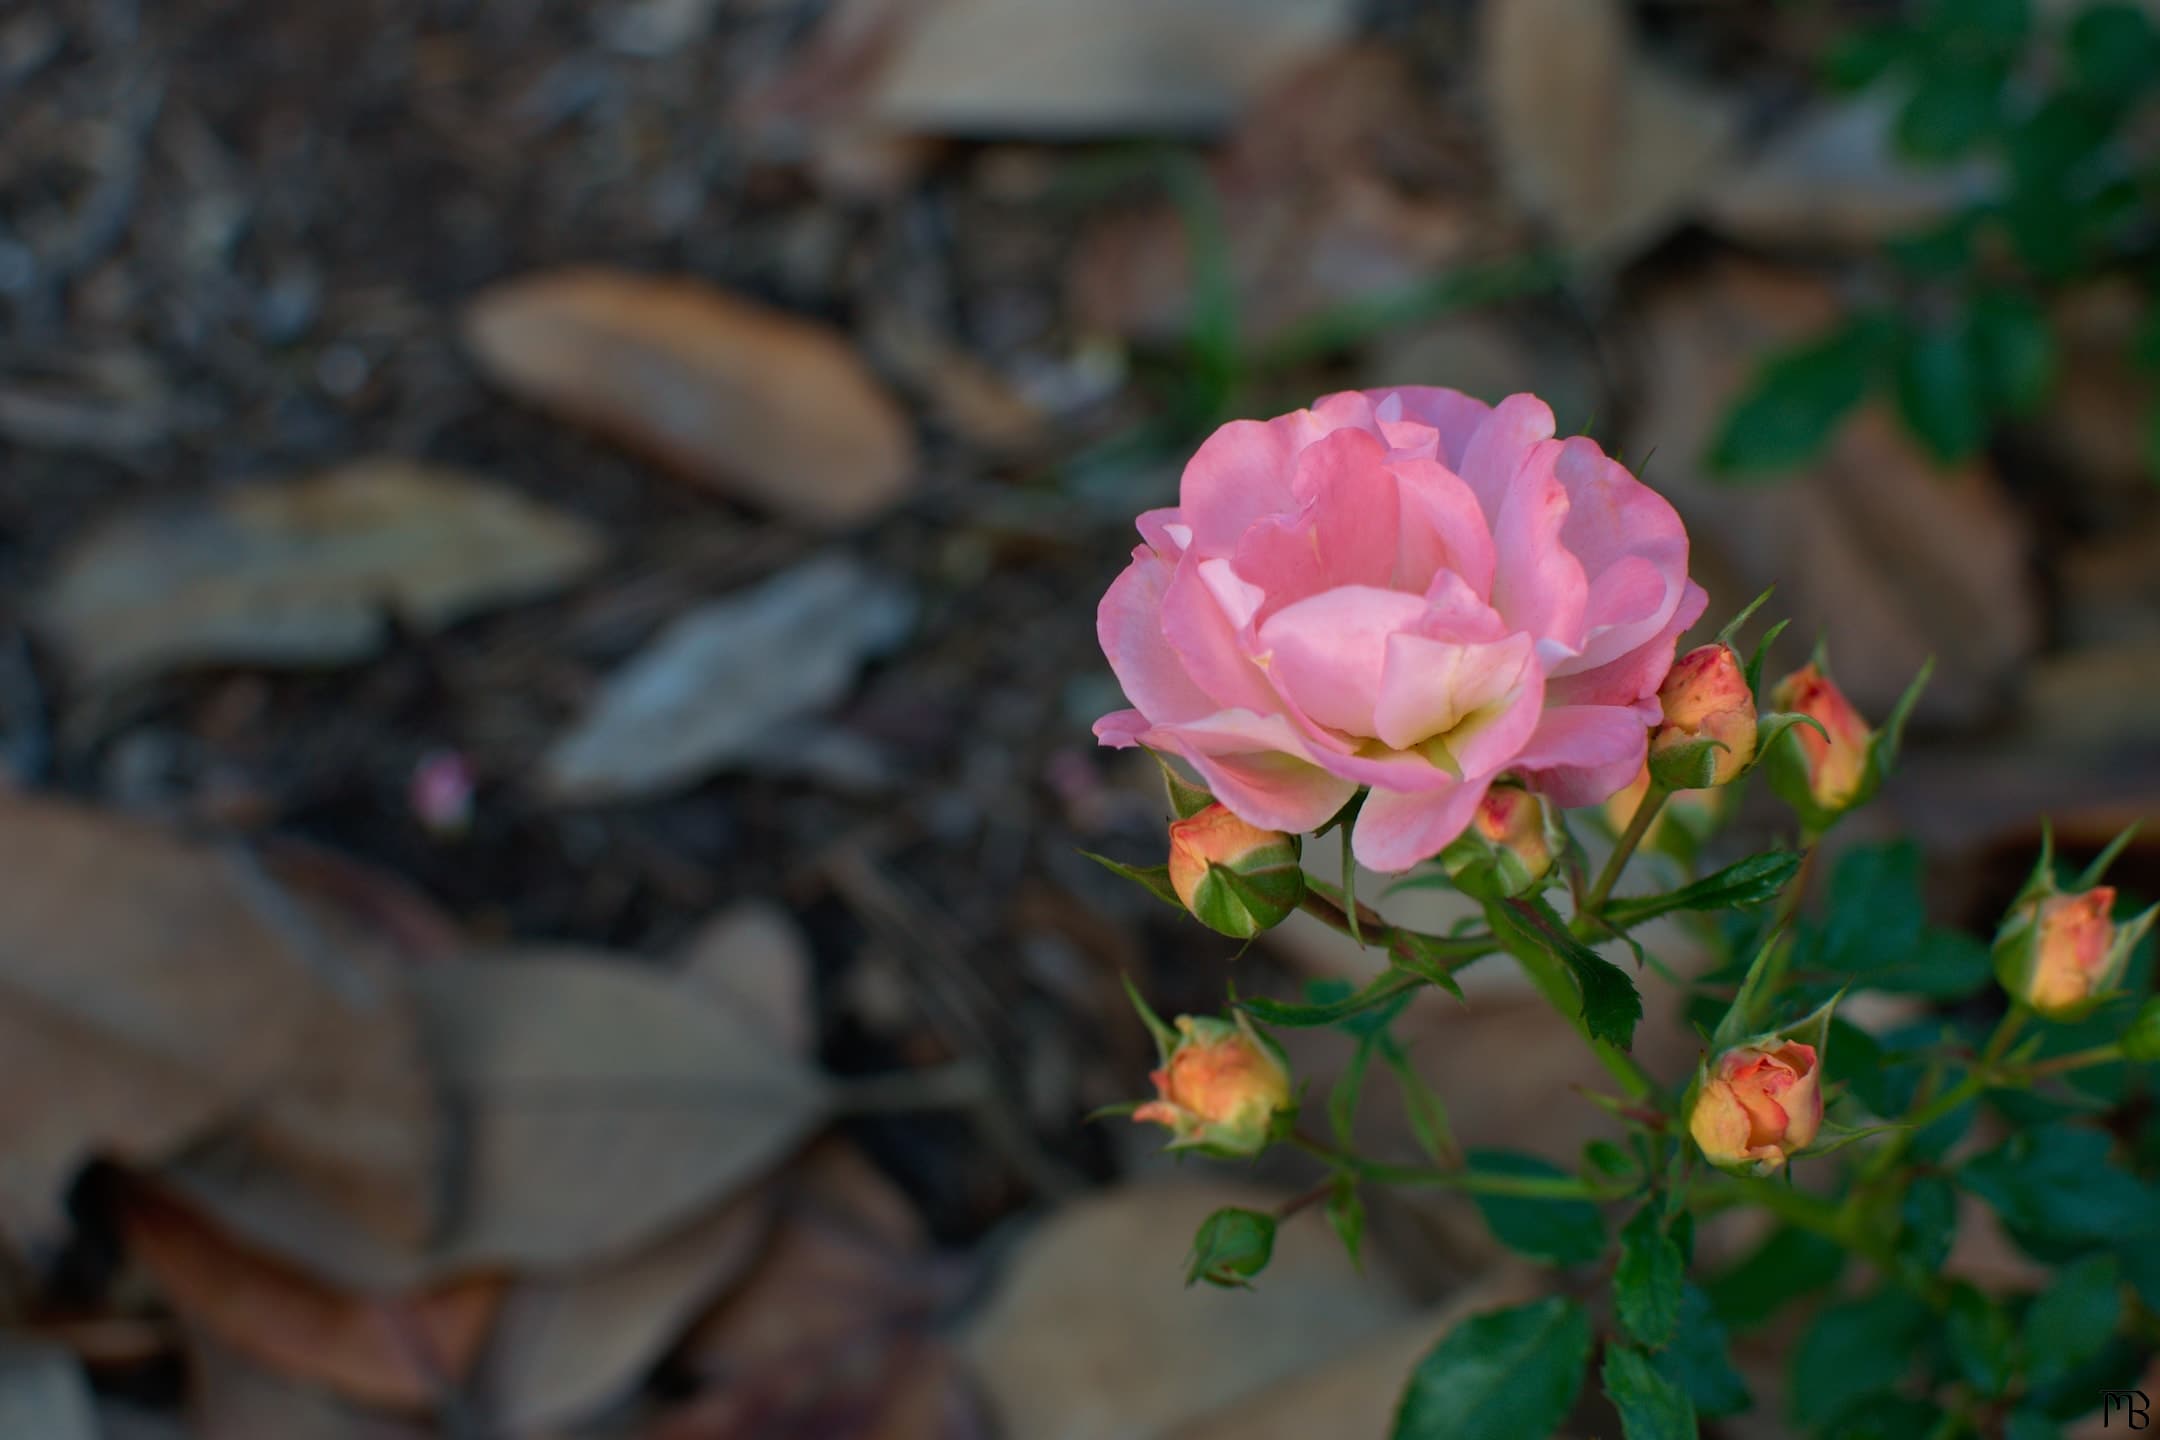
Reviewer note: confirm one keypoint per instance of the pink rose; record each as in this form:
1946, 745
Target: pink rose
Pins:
1406, 589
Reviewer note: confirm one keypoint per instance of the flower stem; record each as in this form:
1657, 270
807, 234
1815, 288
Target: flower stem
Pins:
1464, 1180
1646, 814
2108, 1054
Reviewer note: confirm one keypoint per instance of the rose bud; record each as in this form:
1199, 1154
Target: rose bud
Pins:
1235, 878
1511, 837
1698, 813
1220, 1088
2062, 954
1756, 1104
1821, 773
1707, 705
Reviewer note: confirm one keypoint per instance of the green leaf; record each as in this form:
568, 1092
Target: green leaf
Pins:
1980, 1340
1752, 881
1853, 1350
1559, 1232
1346, 1214
1891, 1417
1507, 1375
1698, 1361
1646, 1283
2059, 1187
2013, 350
1939, 395
1651, 1407
1231, 1246
1952, 109
1609, 1159
1789, 1264
2114, 50
1186, 798
1155, 879
1343, 1097
2074, 1318
1996, 25
1426, 1111
1786, 416
1387, 987
2025, 1425
1929, 1216
1610, 1004
1862, 57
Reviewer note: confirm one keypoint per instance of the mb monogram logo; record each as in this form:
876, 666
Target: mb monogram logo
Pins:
2130, 1404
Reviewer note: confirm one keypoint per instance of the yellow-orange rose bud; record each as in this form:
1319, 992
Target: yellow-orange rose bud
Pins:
1510, 836
1833, 766
2058, 953
1756, 1105
1220, 1088
1264, 886
1707, 703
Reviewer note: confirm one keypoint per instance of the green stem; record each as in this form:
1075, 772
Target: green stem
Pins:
1552, 981
1646, 814
1450, 954
2108, 1054
1465, 1181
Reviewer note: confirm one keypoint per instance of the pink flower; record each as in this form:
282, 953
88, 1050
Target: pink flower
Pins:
1406, 589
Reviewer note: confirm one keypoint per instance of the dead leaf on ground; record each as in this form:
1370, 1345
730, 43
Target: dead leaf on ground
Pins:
1593, 135
722, 681
1356, 1394
600, 1104
399, 1352
1873, 547
912, 1389
754, 958
568, 1345
43, 1393
1092, 1333
990, 68
159, 990
231, 1399
770, 408
306, 572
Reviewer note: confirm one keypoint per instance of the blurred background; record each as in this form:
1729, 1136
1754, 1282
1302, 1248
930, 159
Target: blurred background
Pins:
548, 556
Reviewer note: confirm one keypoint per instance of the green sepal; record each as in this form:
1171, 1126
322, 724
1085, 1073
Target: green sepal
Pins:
1732, 627
1166, 1039
1890, 739
1231, 1247
1386, 988
1242, 903
2141, 1038
1155, 879
1833, 1137
1186, 798
1738, 1015
1689, 766
1762, 654
1346, 1216
2097, 871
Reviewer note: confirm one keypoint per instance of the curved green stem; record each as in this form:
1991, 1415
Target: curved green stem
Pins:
1646, 814
1465, 1180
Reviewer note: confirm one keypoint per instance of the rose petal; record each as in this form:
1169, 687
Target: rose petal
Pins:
1428, 687
1538, 585
1206, 640
1326, 652
1580, 754
1396, 830
1631, 545
1441, 528
1497, 449
1128, 622
1452, 414
1636, 675
1257, 765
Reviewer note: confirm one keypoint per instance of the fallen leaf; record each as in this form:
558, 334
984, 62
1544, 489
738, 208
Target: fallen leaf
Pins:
306, 572
772, 409
160, 991
601, 1105
567, 1345
912, 1389
1887, 557
1357, 1393
754, 958
724, 679
400, 1352
43, 1393
231, 1399
1593, 135
1092, 1333
990, 68
1832, 177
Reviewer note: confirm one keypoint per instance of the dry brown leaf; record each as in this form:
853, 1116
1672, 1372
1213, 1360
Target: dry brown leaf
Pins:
304, 573
43, 1393
1597, 139
1092, 1333
400, 1352
753, 957
231, 1399
1110, 67
767, 407
1873, 547
568, 1345
600, 1103
158, 990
